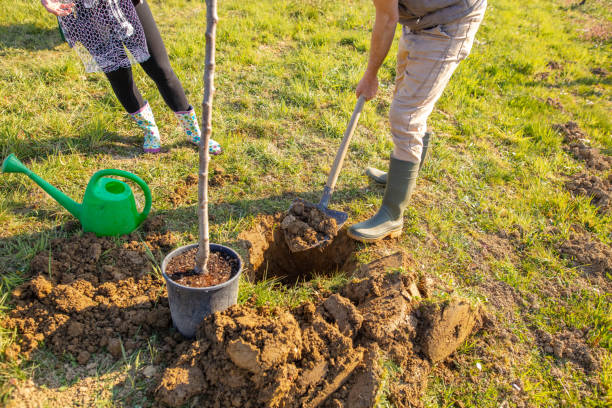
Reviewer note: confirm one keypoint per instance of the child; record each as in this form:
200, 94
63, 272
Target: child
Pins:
106, 28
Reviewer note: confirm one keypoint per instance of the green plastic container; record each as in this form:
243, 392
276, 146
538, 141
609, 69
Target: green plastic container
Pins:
108, 207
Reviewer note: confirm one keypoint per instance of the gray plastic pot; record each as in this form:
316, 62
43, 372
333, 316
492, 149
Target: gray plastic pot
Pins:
189, 306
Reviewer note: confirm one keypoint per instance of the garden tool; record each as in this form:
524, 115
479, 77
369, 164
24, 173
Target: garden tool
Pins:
340, 216
108, 207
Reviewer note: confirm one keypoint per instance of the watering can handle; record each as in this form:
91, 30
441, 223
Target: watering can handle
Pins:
145, 188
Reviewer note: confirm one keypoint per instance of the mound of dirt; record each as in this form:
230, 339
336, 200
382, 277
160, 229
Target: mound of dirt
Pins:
599, 72
181, 191
578, 146
88, 293
600, 190
569, 345
588, 253
270, 257
570, 131
590, 155
325, 354
306, 225
555, 103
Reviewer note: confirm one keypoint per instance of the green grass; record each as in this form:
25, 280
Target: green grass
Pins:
286, 72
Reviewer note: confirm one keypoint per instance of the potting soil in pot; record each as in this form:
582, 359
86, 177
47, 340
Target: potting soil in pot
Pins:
305, 225
219, 269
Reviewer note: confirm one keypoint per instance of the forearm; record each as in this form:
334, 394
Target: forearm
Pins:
382, 34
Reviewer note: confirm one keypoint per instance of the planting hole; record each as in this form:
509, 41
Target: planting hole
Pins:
115, 187
270, 257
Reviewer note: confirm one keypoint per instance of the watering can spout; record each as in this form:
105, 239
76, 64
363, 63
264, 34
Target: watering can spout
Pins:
12, 165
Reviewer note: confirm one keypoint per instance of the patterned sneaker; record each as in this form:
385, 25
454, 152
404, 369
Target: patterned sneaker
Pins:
146, 121
189, 123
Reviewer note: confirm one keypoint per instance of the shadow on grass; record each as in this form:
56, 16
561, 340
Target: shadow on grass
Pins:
89, 144
583, 81
28, 37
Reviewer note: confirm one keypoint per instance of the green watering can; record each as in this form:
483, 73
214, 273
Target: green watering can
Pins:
108, 207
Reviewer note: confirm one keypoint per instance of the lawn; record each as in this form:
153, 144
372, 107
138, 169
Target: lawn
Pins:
491, 220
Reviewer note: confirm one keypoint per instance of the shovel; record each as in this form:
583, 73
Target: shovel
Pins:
340, 216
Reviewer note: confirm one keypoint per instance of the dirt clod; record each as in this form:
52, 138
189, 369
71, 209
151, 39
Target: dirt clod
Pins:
588, 253
182, 190
86, 290
600, 190
318, 355
446, 327
570, 131
569, 345
306, 225
579, 146
555, 103
345, 314
600, 72
179, 384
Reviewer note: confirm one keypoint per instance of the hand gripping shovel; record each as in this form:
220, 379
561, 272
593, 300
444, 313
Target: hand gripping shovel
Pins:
339, 216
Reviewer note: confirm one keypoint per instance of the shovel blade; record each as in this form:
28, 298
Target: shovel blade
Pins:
340, 217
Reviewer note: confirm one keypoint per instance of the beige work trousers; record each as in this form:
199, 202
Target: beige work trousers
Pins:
426, 60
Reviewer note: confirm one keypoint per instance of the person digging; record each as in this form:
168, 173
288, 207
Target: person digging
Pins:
436, 36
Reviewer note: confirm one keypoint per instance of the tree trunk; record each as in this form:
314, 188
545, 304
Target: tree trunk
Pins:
209, 90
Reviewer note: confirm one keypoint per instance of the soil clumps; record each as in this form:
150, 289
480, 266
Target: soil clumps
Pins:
268, 255
181, 269
325, 354
181, 191
588, 253
600, 190
578, 146
88, 293
305, 225
569, 345
599, 72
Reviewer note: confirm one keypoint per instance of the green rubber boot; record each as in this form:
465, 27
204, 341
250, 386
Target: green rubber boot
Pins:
380, 177
389, 220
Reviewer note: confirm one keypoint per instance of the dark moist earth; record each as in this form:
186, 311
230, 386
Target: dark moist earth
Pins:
181, 269
305, 225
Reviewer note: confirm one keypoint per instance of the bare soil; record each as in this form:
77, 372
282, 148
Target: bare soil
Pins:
182, 190
570, 131
88, 294
220, 267
588, 253
305, 225
325, 354
600, 72
578, 146
599, 190
220, 177
269, 256
569, 345
90, 297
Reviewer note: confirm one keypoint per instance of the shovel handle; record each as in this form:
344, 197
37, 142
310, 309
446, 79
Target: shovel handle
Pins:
339, 160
